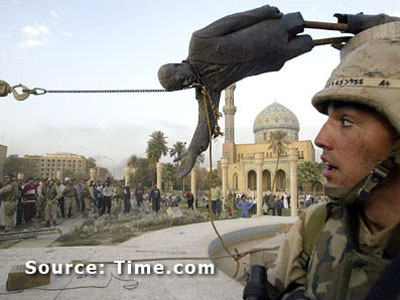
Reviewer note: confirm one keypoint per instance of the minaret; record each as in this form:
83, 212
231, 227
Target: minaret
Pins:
229, 111
229, 149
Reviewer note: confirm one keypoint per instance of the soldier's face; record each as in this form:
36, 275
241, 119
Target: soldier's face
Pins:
353, 140
7, 180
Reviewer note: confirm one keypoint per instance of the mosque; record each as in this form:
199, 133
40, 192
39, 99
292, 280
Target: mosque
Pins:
243, 164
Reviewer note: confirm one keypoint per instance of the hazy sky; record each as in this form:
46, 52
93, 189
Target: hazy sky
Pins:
121, 45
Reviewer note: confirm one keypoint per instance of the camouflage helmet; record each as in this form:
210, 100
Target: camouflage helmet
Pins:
368, 75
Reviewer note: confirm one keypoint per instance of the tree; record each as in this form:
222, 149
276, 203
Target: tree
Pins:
169, 175
156, 146
177, 150
14, 165
200, 159
309, 172
142, 173
278, 145
132, 161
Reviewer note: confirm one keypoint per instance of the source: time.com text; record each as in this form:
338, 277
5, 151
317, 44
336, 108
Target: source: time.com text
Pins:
123, 267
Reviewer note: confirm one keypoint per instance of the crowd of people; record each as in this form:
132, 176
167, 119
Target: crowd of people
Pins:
49, 201
273, 204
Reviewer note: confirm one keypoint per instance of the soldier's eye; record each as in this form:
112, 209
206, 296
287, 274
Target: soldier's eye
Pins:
345, 122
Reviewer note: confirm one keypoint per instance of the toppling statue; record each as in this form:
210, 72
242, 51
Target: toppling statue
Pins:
238, 46
227, 51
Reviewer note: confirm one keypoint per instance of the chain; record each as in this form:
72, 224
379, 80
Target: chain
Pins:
22, 92
102, 91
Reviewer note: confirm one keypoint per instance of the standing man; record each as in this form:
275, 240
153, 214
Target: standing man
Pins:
155, 196
215, 199
271, 204
87, 198
139, 194
244, 206
20, 204
29, 200
79, 188
127, 203
190, 199
41, 199
8, 195
61, 200
119, 198
107, 194
50, 211
229, 203
70, 195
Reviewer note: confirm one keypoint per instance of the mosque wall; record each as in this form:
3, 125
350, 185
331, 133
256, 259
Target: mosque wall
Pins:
242, 167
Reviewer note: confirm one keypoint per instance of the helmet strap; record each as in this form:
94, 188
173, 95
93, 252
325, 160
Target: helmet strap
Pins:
363, 189
380, 172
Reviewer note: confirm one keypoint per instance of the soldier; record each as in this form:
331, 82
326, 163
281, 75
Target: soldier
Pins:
70, 197
353, 240
41, 200
79, 188
50, 211
155, 197
119, 198
139, 194
9, 195
215, 199
87, 197
61, 201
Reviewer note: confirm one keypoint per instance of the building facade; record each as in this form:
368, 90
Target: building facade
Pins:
242, 164
54, 165
99, 174
128, 172
3, 156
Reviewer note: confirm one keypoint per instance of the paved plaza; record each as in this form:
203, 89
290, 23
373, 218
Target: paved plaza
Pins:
190, 241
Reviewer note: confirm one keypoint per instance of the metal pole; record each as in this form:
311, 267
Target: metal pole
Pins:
334, 40
326, 25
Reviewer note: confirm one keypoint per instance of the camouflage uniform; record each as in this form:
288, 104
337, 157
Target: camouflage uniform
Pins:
9, 194
41, 200
50, 211
348, 258
70, 195
87, 198
345, 262
118, 200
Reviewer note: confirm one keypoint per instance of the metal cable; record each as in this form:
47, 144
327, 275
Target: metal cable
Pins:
105, 91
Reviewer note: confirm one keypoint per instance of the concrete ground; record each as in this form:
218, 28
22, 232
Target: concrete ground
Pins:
189, 241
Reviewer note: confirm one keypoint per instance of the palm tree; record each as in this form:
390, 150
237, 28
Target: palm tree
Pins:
169, 175
278, 144
309, 172
177, 150
133, 160
200, 159
156, 146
